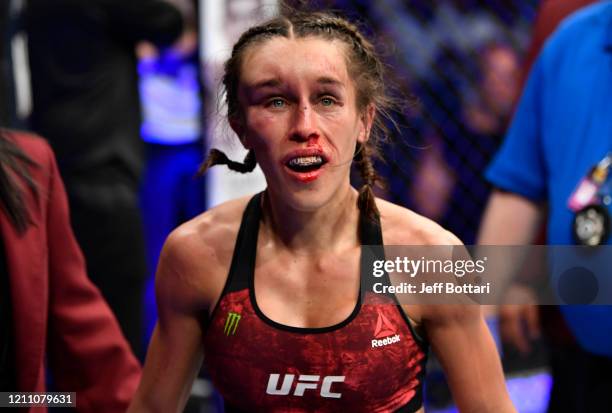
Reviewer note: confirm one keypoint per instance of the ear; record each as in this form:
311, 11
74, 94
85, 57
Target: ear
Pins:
237, 126
367, 120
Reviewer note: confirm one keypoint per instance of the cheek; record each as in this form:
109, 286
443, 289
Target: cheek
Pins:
264, 135
263, 129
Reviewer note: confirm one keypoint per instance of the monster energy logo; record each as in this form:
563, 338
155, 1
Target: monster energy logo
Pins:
231, 323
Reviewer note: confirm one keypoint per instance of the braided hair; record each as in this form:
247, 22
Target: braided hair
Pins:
364, 67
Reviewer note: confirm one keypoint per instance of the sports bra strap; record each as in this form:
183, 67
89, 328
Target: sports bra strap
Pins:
245, 250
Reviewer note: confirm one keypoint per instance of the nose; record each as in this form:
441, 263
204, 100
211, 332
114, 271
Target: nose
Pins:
304, 128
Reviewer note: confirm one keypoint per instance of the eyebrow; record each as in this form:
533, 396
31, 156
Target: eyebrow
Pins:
324, 80
275, 82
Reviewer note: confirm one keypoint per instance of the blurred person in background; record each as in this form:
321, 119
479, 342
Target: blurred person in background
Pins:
86, 103
521, 326
560, 131
435, 46
51, 315
449, 186
171, 96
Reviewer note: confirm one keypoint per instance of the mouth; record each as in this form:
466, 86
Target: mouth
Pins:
305, 166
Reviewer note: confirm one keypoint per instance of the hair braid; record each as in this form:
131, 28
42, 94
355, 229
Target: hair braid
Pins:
366, 201
216, 157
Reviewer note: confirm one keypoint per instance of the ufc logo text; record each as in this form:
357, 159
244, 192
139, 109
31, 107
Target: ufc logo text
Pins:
304, 382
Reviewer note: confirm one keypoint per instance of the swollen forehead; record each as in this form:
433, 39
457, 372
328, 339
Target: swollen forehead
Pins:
302, 58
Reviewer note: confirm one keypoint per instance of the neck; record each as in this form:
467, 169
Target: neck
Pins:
330, 227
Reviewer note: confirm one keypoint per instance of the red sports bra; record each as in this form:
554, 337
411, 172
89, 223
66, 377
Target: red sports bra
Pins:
370, 362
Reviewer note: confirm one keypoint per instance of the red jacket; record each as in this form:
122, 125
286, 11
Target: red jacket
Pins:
57, 312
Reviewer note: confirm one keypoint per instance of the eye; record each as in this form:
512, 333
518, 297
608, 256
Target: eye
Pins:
276, 103
327, 101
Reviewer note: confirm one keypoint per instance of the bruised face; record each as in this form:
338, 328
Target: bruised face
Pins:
299, 115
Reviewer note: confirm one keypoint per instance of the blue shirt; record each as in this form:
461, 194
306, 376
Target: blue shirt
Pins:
562, 128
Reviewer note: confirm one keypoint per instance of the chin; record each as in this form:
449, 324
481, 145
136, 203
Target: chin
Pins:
309, 200
305, 197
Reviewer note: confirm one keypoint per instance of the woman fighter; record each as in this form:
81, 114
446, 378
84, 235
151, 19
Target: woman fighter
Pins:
266, 290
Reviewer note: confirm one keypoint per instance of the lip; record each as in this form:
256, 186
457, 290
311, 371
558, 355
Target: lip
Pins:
304, 177
311, 151
310, 176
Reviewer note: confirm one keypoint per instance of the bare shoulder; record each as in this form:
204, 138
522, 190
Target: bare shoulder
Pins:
196, 256
402, 226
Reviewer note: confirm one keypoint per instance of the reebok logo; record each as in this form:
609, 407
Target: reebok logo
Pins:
386, 341
384, 333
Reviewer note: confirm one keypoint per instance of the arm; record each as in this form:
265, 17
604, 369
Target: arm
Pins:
509, 219
86, 350
465, 348
461, 340
457, 332
514, 217
176, 351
